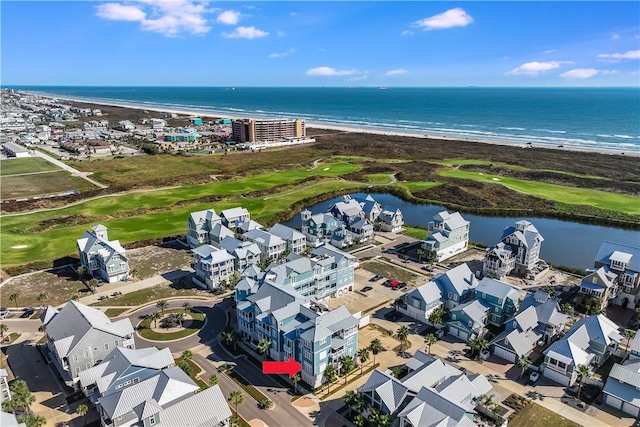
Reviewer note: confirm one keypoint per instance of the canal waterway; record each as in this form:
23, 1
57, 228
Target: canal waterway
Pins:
567, 243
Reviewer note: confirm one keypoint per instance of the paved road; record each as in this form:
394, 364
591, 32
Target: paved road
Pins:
74, 172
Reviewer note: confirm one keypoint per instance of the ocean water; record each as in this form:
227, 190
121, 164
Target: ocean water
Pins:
586, 118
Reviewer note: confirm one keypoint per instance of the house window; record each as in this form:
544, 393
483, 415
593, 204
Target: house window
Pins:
449, 295
594, 279
117, 343
106, 346
152, 420
453, 316
74, 357
86, 353
77, 371
455, 297
88, 365
136, 380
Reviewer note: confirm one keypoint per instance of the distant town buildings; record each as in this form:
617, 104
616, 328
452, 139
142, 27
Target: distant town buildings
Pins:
102, 258
11, 149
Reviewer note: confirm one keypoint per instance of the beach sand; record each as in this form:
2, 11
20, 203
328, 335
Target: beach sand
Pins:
344, 128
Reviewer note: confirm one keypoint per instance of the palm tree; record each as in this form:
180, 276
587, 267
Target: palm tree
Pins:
478, 344
359, 420
629, 334
14, 297
263, 347
384, 420
41, 298
296, 378
213, 379
421, 252
363, 356
430, 340
523, 363
162, 304
81, 271
362, 404
3, 329
187, 355
347, 366
82, 411
437, 315
330, 375
402, 335
236, 398
179, 317
583, 373
374, 416
186, 306
154, 318
375, 347
350, 398
32, 420
228, 337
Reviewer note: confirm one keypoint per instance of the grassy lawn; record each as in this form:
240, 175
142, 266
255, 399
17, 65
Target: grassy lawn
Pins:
59, 286
25, 165
196, 324
415, 232
151, 294
115, 312
390, 271
418, 185
536, 415
379, 178
18, 186
10, 338
571, 195
20, 245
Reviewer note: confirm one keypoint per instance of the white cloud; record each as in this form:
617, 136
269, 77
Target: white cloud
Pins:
451, 18
585, 73
246, 33
615, 37
630, 54
120, 12
406, 33
546, 52
229, 17
281, 54
329, 71
535, 68
396, 72
170, 18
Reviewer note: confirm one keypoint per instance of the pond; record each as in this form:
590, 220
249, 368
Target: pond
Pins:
567, 243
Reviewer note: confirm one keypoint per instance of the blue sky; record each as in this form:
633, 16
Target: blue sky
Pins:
294, 43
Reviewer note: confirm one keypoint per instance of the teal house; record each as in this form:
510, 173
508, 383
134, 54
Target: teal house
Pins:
502, 298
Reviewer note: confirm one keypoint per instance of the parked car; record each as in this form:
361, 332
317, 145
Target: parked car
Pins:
427, 268
484, 355
376, 278
366, 289
394, 284
116, 293
103, 297
402, 285
4, 312
28, 312
534, 377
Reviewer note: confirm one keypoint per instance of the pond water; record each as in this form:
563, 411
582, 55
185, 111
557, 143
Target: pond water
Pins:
567, 243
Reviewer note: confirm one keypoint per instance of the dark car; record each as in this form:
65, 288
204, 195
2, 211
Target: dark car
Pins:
366, 289
28, 312
427, 268
376, 278
402, 285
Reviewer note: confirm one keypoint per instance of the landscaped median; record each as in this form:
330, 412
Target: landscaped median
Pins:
192, 326
244, 384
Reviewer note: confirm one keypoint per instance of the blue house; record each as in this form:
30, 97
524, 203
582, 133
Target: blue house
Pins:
502, 298
457, 286
468, 320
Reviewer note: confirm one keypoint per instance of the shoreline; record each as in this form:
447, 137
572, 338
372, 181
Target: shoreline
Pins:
346, 128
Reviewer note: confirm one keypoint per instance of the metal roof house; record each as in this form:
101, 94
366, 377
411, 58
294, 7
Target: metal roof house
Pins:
102, 258
448, 236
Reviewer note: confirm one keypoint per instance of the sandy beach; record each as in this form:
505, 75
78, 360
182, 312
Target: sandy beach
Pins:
345, 128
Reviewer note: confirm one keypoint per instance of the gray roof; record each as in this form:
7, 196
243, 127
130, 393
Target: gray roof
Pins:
635, 344
451, 221
419, 359
429, 292
629, 373
429, 409
9, 420
234, 213
547, 309
460, 278
391, 391
167, 386
250, 225
286, 233
475, 309
328, 323
574, 347
526, 237
607, 249
267, 239
202, 219
271, 297
497, 289
605, 278
429, 374
206, 408
75, 320
331, 251
212, 255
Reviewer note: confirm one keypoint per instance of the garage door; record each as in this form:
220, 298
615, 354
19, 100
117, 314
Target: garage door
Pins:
458, 333
613, 402
556, 376
630, 409
506, 355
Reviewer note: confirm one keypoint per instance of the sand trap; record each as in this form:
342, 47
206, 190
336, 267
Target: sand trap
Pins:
19, 246
496, 179
325, 169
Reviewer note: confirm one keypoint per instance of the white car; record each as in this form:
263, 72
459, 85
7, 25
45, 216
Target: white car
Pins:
484, 355
534, 377
440, 333
4, 312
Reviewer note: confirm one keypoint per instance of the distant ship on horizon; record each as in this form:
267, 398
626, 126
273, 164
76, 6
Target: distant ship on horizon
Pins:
383, 87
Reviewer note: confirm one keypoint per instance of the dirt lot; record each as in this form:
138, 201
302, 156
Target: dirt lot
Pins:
151, 260
58, 285
18, 186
